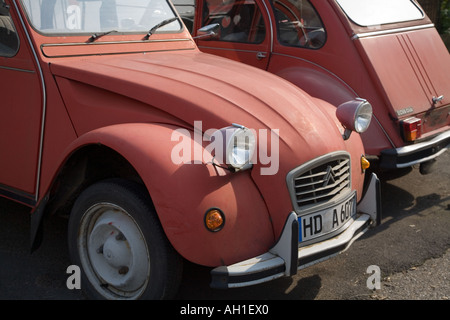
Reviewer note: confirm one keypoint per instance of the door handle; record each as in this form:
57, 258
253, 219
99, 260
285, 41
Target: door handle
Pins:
437, 99
261, 55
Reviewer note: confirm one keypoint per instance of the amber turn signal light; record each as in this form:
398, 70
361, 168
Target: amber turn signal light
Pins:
365, 164
214, 219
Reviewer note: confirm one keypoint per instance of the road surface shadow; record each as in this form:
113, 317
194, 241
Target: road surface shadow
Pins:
195, 286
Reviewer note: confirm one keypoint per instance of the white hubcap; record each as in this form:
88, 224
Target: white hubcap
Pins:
117, 258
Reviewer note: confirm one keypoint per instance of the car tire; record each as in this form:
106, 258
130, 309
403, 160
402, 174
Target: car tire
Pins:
116, 239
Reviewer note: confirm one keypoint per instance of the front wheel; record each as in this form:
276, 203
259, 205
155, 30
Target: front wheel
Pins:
116, 239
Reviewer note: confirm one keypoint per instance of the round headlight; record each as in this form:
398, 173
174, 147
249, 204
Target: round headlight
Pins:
363, 116
355, 115
240, 148
239, 145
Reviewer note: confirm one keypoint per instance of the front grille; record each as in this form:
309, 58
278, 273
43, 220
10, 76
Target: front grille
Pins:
320, 181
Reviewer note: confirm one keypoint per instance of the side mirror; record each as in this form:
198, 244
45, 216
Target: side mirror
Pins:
210, 31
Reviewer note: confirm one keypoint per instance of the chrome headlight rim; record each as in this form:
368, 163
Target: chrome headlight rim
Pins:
238, 147
355, 115
363, 116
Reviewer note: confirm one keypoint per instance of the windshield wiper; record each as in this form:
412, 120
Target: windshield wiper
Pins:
95, 36
159, 25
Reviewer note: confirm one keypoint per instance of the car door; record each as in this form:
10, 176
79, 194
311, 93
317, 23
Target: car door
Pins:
245, 34
20, 111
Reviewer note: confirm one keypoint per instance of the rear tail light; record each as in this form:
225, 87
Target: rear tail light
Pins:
411, 128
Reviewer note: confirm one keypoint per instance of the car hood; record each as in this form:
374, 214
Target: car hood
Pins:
218, 92
194, 86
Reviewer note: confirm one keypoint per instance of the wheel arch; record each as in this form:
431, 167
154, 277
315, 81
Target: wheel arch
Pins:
85, 166
180, 193
97, 155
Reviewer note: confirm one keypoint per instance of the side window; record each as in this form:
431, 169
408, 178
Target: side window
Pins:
299, 24
239, 20
9, 42
186, 10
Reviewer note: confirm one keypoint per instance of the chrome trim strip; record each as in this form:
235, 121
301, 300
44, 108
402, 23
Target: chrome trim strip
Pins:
17, 195
44, 101
270, 25
17, 69
384, 32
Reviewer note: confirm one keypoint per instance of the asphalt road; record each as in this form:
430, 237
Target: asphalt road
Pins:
411, 248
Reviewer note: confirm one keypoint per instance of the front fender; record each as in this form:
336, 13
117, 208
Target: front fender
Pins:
324, 85
182, 193
315, 80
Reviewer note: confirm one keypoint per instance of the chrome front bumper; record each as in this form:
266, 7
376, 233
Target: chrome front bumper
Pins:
286, 257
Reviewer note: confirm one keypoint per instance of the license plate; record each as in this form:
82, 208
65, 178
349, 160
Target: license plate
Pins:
320, 223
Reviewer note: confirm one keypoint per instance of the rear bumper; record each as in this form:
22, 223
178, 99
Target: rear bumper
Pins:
414, 154
286, 258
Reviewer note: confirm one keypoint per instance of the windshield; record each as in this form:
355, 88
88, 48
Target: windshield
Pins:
95, 16
376, 12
